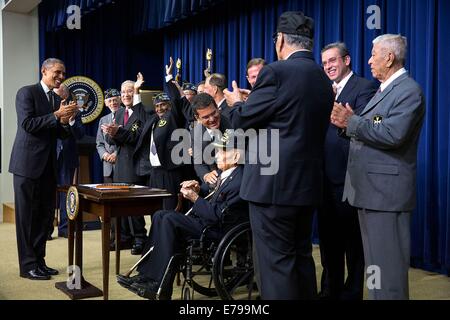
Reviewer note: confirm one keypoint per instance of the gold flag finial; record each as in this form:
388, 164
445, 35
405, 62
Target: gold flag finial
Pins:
178, 75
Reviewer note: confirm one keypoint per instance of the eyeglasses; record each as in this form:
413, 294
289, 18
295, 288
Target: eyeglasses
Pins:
275, 37
331, 61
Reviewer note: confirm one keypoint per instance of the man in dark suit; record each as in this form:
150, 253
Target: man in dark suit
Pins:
170, 230
339, 234
292, 101
210, 125
132, 116
381, 171
41, 119
67, 160
214, 86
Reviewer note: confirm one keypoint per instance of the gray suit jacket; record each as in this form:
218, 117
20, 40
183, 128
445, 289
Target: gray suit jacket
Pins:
103, 146
381, 170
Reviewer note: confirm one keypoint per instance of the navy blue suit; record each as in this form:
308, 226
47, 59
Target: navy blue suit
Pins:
33, 164
339, 232
170, 230
293, 98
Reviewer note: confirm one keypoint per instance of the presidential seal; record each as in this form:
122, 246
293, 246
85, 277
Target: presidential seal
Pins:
72, 203
88, 95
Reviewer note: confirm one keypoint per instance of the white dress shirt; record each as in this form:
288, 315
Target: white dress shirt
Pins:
341, 85
391, 79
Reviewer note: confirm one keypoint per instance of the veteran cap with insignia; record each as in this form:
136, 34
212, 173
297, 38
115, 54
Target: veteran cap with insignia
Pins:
295, 22
161, 97
189, 86
110, 93
231, 139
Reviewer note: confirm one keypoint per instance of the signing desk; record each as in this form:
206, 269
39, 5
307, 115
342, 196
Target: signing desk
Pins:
106, 204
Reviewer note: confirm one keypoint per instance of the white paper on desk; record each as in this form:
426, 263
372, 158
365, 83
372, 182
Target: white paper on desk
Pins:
94, 186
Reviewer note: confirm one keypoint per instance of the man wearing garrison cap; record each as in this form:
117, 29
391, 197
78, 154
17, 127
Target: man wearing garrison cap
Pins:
292, 98
189, 91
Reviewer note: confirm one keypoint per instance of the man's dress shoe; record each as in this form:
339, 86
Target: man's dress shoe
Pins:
35, 274
149, 290
137, 248
126, 282
47, 270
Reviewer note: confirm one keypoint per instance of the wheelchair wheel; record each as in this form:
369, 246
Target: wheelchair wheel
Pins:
202, 282
233, 265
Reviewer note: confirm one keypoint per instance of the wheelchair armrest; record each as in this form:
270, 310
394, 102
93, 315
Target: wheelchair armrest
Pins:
204, 231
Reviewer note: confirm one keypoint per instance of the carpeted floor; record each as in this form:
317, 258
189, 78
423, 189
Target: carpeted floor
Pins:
423, 285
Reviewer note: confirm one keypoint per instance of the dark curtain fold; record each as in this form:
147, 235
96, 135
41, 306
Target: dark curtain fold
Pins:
106, 51
240, 30
152, 14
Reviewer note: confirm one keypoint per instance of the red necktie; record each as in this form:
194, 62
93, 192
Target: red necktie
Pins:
125, 117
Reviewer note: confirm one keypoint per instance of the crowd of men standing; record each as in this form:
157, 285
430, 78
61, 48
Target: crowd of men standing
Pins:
347, 151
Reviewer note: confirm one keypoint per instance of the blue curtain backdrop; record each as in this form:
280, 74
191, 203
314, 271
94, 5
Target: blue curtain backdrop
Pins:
240, 30
105, 49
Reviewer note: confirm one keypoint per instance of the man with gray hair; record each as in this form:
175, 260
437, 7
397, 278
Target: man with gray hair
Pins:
130, 118
381, 171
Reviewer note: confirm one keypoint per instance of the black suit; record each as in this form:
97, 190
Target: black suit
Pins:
33, 164
339, 232
183, 104
170, 230
224, 109
169, 175
200, 140
124, 170
294, 97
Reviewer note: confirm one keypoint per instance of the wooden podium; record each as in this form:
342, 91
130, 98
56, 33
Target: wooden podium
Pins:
105, 204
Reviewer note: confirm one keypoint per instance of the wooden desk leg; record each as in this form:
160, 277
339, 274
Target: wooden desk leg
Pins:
106, 229
118, 241
70, 240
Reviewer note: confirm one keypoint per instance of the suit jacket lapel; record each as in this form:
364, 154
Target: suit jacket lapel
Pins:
146, 130
380, 95
44, 98
131, 119
226, 183
347, 89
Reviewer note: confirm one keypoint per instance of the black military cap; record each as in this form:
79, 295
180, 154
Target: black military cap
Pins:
161, 97
189, 86
110, 93
295, 22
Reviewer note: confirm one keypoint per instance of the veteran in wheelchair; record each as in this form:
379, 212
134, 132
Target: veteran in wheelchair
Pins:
215, 235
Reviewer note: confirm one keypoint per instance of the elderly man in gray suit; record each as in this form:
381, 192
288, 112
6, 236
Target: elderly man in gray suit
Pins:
381, 172
106, 151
